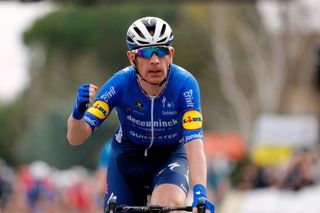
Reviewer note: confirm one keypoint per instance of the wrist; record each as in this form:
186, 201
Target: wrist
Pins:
76, 114
199, 191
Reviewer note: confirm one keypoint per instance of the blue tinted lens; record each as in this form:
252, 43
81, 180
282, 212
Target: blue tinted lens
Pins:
147, 52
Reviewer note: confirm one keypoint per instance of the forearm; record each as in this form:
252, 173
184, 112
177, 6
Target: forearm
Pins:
197, 162
198, 174
78, 131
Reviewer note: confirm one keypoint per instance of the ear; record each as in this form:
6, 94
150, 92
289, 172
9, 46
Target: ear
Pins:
171, 54
131, 58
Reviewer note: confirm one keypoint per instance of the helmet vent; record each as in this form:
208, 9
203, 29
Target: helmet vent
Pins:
163, 29
139, 32
162, 40
151, 29
142, 42
171, 35
129, 39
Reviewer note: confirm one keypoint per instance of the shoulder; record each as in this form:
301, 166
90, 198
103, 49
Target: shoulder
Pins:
127, 72
120, 76
182, 75
114, 86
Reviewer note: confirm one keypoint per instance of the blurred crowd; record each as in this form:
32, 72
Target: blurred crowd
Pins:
38, 187
301, 170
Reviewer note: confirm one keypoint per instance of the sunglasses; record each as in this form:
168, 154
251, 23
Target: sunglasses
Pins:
147, 52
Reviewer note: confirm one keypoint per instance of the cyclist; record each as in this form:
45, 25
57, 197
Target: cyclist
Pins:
159, 138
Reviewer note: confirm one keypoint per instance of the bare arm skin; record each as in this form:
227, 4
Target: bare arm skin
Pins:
78, 131
197, 162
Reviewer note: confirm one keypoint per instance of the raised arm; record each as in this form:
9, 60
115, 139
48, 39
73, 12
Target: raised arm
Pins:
78, 130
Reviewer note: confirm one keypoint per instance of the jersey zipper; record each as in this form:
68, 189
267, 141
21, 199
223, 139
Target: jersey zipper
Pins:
152, 128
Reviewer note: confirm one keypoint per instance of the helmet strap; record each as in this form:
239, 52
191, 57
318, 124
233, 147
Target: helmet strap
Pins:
166, 78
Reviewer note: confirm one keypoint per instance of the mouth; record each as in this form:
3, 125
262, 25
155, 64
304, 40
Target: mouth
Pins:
154, 71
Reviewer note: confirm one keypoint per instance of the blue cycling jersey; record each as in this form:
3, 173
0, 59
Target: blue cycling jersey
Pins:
172, 117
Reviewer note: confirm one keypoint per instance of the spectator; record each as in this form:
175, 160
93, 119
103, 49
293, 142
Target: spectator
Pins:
5, 184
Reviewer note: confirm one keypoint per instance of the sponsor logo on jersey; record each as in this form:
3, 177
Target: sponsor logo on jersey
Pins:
99, 109
149, 137
169, 112
192, 137
128, 110
91, 122
138, 112
108, 94
139, 105
157, 123
192, 120
188, 96
166, 103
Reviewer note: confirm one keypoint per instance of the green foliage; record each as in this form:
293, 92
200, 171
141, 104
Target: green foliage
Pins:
99, 29
11, 122
45, 139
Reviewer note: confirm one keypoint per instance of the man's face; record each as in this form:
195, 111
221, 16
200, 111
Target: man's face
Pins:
153, 69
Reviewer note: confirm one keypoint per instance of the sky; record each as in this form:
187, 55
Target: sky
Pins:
15, 18
304, 15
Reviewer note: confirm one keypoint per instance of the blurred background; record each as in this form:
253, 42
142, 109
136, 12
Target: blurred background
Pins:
258, 67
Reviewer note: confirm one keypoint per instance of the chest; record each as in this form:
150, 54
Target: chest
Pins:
140, 105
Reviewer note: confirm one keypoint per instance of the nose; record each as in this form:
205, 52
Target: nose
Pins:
154, 59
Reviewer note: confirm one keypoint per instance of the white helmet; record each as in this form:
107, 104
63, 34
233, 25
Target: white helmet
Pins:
149, 31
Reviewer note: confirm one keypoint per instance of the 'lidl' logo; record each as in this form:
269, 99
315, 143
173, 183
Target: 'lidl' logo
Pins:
192, 120
99, 109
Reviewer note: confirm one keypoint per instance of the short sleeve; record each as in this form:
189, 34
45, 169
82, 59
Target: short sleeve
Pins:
191, 110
